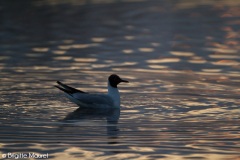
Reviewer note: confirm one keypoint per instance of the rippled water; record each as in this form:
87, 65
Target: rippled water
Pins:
181, 57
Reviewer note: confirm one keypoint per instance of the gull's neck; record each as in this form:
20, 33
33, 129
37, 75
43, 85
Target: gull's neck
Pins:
114, 94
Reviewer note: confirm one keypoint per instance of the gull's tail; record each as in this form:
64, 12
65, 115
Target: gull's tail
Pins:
67, 89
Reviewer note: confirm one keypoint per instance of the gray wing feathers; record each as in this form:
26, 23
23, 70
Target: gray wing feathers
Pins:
91, 99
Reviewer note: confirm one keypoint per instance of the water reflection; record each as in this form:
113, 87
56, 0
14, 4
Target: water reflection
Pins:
111, 115
91, 116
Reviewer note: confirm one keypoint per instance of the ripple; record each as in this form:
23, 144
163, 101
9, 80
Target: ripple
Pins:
146, 49
63, 58
98, 39
185, 54
226, 63
127, 51
220, 50
59, 52
85, 60
164, 60
224, 56
40, 49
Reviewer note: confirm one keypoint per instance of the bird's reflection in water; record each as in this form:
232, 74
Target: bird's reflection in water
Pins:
109, 115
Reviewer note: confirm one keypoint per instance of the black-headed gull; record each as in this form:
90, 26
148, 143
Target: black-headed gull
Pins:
83, 99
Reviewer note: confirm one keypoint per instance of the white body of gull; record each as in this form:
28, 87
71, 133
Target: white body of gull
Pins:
83, 99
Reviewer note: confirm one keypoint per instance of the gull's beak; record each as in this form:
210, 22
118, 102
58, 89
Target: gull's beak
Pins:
124, 81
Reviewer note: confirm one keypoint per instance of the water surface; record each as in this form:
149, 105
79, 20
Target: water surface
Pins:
181, 58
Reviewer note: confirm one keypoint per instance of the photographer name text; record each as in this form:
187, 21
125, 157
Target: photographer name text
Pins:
24, 155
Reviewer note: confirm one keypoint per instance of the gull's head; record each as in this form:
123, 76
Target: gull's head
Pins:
114, 80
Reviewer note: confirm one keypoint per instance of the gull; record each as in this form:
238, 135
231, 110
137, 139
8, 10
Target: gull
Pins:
83, 99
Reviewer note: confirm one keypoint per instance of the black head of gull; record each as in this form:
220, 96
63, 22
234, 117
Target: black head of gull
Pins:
114, 80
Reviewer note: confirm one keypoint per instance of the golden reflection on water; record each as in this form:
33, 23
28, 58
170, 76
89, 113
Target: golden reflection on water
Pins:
197, 60
98, 39
219, 56
59, 52
165, 60
221, 50
40, 49
178, 53
226, 63
127, 51
85, 60
158, 66
146, 49
64, 47
129, 37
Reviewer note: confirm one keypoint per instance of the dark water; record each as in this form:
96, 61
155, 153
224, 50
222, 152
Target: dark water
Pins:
181, 57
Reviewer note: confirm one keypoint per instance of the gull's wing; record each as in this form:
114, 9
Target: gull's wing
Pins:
93, 99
